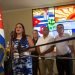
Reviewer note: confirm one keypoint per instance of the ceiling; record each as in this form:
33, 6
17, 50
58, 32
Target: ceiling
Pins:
27, 4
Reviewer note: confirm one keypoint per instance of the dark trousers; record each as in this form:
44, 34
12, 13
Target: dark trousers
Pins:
64, 65
35, 65
8, 67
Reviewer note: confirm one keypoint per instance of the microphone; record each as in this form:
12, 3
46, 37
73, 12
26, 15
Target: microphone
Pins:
12, 35
19, 47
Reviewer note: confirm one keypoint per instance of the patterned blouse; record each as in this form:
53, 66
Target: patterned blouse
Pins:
22, 65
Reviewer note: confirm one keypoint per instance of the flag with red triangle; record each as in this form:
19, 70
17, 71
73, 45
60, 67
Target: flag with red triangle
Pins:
2, 43
2, 37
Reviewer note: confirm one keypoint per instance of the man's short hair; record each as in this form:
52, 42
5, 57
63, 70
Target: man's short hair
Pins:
35, 30
47, 28
61, 25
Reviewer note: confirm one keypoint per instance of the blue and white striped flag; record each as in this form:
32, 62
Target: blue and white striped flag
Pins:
2, 42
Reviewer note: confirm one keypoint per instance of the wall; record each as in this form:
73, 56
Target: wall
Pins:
10, 18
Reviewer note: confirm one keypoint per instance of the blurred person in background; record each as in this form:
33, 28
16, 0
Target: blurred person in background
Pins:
63, 50
46, 64
35, 60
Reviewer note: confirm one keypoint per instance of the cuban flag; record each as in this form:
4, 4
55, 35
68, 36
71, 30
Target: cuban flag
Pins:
2, 38
2, 42
43, 18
